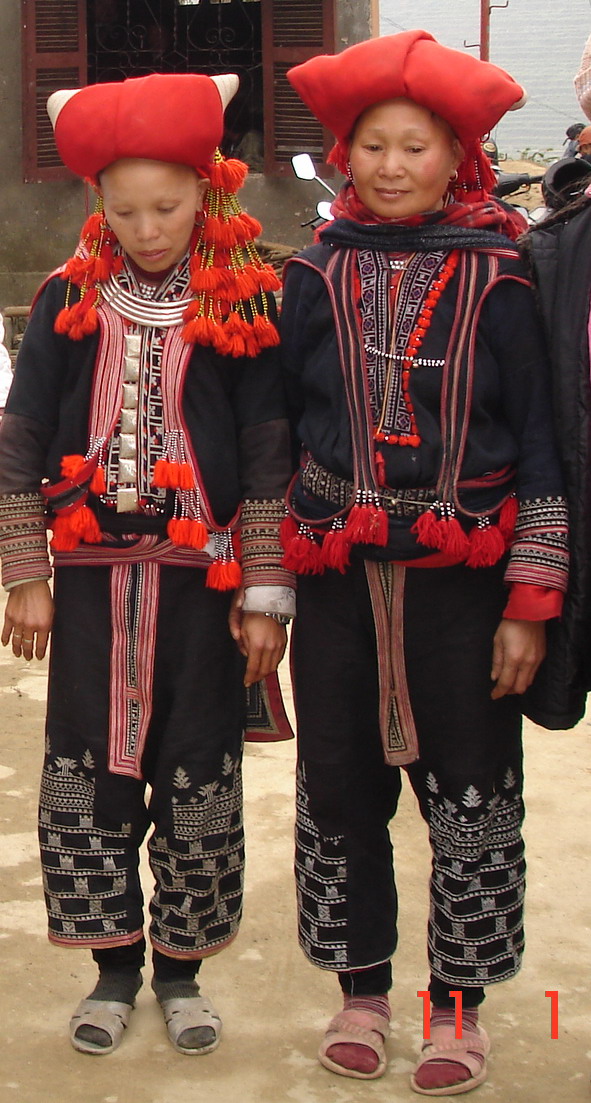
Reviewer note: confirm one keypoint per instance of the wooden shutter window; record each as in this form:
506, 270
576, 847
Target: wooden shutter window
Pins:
54, 56
293, 32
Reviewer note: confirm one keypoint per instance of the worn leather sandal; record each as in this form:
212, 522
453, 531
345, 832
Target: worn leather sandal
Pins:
355, 1027
191, 1013
108, 1015
470, 1051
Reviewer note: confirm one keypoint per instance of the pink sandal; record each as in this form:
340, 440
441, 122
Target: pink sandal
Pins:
360, 1028
470, 1051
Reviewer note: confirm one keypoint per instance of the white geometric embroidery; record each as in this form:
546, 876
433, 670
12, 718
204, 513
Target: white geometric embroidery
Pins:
471, 798
181, 779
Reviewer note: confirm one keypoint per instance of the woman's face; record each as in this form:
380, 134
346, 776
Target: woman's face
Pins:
402, 158
150, 206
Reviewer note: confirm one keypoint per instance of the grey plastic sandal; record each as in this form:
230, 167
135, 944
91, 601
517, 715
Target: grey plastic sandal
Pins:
107, 1015
191, 1013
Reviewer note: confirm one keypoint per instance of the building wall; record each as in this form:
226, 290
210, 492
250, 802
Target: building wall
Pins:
39, 223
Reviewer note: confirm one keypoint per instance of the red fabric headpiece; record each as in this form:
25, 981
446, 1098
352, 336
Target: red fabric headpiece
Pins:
178, 118
471, 95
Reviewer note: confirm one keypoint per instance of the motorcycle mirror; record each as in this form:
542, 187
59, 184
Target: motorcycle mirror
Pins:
324, 211
303, 166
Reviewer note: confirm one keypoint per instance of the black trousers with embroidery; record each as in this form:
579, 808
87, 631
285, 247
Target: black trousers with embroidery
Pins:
468, 778
92, 820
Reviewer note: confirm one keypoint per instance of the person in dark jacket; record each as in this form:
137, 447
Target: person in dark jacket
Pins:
429, 530
558, 254
146, 427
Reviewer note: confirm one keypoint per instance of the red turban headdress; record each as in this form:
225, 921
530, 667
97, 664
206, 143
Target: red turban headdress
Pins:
178, 118
471, 95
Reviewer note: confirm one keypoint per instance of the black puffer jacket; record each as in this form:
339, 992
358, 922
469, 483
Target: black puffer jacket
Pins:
559, 256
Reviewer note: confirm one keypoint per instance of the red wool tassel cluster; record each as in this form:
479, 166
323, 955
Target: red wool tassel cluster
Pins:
173, 475
414, 343
309, 550
225, 573
228, 278
483, 546
177, 474
76, 523
70, 529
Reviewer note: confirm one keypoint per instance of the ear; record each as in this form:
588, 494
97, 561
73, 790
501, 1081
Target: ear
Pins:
203, 184
457, 152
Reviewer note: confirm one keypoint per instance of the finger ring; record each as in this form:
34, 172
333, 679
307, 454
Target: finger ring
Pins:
15, 636
26, 640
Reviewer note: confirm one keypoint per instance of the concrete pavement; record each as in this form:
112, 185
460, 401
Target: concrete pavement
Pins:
273, 1003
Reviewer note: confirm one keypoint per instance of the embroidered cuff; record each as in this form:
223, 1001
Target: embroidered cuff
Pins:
539, 554
262, 551
23, 539
270, 599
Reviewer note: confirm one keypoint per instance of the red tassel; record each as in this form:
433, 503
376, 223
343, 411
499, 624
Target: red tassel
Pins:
229, 175
287, 530
508, 518
268, 278
380, 469
85, 524
186, 480
178, 530
197, 535
426, 530
303, 554
265, 332
71, 465
223, 576
169, 474
79, 525
367, 524
336, 547
62, 321
381, 527
97, 483
456, 541
486, 546
64, 539
187, 533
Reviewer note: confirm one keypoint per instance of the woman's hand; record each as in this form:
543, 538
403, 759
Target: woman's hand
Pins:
261, 639
29, 614
518, 649
264, 642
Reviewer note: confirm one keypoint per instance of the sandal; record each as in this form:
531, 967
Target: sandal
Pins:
108, 1015
355, 1027
469, 1051
191, 1013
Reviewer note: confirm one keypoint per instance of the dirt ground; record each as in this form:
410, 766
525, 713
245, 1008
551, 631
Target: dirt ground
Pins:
529, 197
273, 1003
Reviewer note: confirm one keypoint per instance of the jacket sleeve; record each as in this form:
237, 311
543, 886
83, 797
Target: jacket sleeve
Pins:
539, 553
26, 431
264, 463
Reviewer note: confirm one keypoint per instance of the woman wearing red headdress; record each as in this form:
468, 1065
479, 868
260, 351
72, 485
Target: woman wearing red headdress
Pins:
428, 526
146, 427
